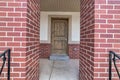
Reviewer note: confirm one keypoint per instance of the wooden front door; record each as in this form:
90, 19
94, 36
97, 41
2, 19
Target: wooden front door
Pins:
59, 36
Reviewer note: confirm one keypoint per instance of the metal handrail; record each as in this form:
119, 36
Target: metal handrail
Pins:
113, 57
3, 56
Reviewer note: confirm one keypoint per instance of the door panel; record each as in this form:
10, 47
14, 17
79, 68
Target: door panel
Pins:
59, 35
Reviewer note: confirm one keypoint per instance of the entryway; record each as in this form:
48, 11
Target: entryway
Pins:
59, 36
59, 39
60, 28
59, 70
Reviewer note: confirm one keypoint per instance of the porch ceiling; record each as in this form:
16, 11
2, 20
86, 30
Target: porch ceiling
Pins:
60, 5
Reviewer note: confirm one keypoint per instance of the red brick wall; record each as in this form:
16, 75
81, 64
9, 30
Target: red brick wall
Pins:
12, 35
18, 27
107, 35
100, 32
45, 50
87, 39
73, 50
33, 43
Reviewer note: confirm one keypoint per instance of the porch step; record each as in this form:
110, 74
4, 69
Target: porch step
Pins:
59, 57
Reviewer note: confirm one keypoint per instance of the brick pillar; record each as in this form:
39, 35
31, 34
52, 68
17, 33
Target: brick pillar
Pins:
107, 35
100, 32
33, 43
19, 30
87, 39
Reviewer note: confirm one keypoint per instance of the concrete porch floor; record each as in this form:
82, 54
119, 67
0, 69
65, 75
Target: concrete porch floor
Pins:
59, 70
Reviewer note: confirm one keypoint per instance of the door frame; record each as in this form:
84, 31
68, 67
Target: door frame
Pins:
69, 26
60, 18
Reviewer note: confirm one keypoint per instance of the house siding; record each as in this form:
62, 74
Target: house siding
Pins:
19, 24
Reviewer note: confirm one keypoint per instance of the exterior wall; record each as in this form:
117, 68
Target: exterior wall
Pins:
87, 40
73, 50
18, 29
33, 42
99, 35
12, 35
45, 50
107, 36
74, 26
73, 35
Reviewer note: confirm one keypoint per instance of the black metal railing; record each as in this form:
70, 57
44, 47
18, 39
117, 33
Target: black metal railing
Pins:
5, 56
113, 57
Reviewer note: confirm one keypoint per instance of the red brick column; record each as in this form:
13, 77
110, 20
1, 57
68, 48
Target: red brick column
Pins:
13, 35
100, 32
19, 30
87, 39
107, 36
33, 43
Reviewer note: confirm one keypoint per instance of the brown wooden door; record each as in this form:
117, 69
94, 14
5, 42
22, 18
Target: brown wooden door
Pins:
59, 33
